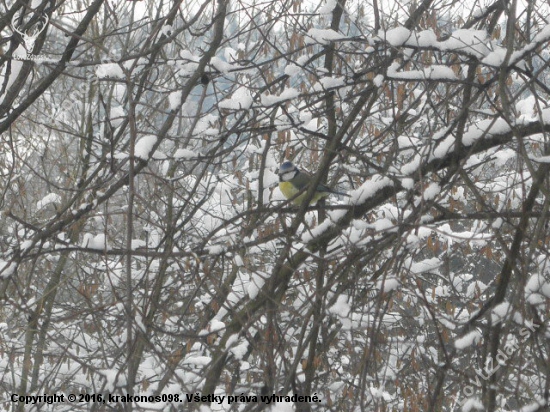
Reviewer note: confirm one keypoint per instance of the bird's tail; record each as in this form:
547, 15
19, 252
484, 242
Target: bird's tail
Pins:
327, 189
338, 193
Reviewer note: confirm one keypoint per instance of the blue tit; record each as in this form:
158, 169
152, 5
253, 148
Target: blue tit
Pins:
294, 185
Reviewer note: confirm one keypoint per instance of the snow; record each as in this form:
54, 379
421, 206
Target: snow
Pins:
467, 41
542, 36
328, 7
378, 393
534, 406
368, 189
405, 142
407, 183
166, 30
536, 289
197, 360
137, 243
240, 350
185, 154
469, 339
230, 55
98, 242
383, 224
378, 80
50, 198
215, 325
322, 36
287, 94
26, 244
458, 194
174, 99
431, 191
233, 298
117, 116
332, 82
16, 66
458, 281
144, 146
292, 70
412, 166
332, 217
475, 288
485, 128
470, 41
426, 38
107, 70
244, 97
495, 58
241, 99
221, 65
256, 283
215, 249
444, 145
434, 72
238, 261
541, 159
472, 404
526, 107
499, 312
187, 55
426, 265
7, 269
387, 285
302, 60
341, 308
397, 36
270, 180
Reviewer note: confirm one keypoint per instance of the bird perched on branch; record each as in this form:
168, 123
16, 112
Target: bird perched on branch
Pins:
294, 184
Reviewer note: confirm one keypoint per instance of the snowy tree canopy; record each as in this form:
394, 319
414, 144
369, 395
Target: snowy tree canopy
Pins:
146, 249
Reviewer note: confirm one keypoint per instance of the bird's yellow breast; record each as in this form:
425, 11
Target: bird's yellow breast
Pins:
289, 191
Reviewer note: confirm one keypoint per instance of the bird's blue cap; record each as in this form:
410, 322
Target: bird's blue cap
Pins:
286, 167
